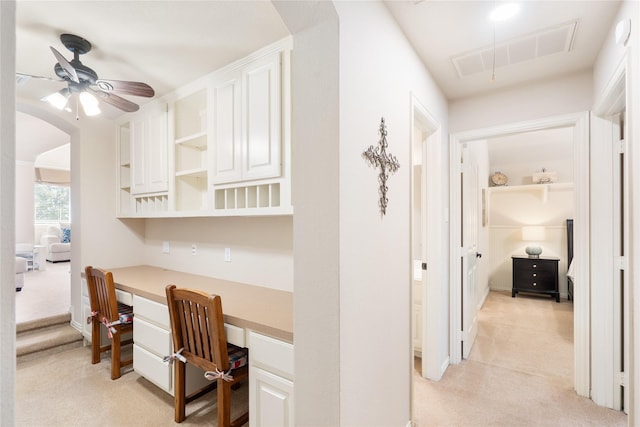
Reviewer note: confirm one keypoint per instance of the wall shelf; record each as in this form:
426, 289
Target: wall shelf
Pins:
542, 189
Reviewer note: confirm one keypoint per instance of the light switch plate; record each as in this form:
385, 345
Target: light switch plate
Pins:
165, 247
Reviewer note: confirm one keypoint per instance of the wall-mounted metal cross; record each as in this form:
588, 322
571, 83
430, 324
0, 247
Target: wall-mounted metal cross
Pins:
388, 164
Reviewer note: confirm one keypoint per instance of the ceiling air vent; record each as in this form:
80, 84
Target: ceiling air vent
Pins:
536, 45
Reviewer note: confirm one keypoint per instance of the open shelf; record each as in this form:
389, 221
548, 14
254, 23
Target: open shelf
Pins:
191, 192
197, 140
248, 197
151, 204
542, 189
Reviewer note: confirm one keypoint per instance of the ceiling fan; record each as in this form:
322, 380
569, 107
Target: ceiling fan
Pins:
83, 81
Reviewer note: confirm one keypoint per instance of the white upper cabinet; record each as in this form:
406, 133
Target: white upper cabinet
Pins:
261, 117
226, 129
247, 122
217, 146
148, 139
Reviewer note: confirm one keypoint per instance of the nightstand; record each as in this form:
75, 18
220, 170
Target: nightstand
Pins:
538, 275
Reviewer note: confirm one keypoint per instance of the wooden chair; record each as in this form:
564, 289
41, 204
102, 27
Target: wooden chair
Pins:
199, 338
116, 317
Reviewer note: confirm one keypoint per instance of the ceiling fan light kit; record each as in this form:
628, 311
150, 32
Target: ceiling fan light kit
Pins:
58, 99
85, 82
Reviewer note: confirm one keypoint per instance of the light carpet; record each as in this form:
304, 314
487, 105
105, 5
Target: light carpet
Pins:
65, 389
45, 293
519, 372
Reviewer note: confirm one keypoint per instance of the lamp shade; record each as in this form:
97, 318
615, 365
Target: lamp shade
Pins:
533, 233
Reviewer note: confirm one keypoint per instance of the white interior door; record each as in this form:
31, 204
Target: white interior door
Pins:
469, 253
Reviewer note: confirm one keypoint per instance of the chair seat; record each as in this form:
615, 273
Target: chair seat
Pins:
238, 356
125, 313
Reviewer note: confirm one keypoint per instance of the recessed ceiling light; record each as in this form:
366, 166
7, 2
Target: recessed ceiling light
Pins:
504, 11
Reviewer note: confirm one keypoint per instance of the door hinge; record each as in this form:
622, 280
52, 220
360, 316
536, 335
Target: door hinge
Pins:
621, 262
622, 379
424, 266
462, 336
622, 146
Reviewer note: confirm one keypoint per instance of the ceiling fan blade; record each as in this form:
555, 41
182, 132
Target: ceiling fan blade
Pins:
66, 66
117, 101
128, 88
37, 77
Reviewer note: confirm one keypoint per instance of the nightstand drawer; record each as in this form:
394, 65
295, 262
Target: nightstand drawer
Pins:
527, 275
535, 285
534, 265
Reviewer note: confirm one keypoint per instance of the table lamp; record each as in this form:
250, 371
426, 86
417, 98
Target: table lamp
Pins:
534, 234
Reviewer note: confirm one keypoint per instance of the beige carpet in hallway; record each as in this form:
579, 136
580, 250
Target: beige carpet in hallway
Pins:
519, 372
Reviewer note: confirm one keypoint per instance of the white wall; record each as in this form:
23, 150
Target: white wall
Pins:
25, 177
378, 73
315, 189
261, 248
7, 212
566, 95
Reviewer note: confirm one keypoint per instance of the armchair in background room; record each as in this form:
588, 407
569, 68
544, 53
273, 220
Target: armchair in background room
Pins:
57, 244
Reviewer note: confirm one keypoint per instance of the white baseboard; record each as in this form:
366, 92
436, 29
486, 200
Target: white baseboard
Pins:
76, 325
444, 367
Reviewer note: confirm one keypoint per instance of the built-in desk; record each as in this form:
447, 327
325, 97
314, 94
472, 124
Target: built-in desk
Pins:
258, 318
263, 310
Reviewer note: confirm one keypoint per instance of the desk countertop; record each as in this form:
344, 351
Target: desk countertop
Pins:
264, 310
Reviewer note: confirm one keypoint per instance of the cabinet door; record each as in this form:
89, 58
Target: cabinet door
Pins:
270, 399
227, 148
149, 151
262, 118
156, 154
138, 167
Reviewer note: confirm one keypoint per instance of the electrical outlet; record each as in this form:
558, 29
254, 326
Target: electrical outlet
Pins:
194, 249
165, 247
227, 254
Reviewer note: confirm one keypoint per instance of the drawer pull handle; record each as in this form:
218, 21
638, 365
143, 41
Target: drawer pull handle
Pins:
534, 274
535, 265
534, 283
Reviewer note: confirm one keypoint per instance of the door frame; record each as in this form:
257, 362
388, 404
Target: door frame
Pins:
605, 391
434, 356
580, 123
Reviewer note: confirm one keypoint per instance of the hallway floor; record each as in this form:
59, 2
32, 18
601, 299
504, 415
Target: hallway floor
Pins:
519, 372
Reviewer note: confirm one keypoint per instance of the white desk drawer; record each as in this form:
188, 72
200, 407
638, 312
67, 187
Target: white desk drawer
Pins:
271, 354
156, 340
152, 368
152, 311
124, 297
235, 335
